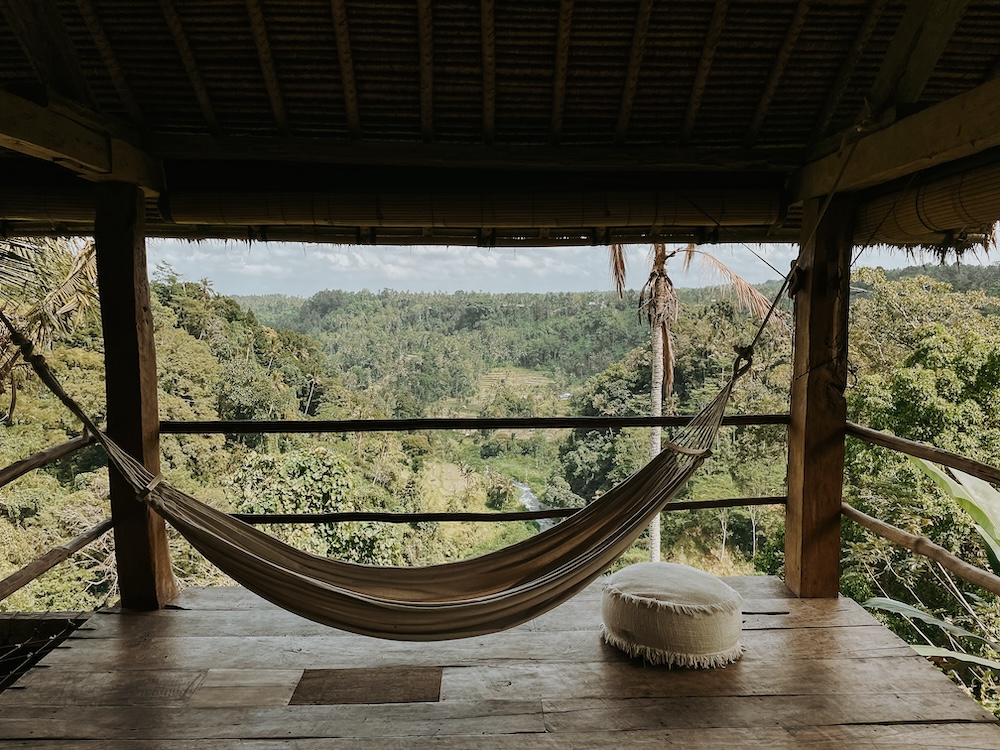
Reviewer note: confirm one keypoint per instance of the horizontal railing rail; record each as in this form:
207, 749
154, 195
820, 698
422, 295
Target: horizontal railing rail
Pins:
979, 469
924, 546
50, 559
457, 423
530, 515
42, 458
921, 544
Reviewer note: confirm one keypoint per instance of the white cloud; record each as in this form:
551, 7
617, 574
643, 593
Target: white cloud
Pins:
289, 268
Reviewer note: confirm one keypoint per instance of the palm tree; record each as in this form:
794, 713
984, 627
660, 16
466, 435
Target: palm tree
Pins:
46, 287
659, 306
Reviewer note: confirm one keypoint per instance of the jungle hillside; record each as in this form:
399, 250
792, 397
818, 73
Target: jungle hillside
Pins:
924, 364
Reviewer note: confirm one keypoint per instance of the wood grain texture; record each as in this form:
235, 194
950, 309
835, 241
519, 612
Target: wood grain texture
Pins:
144, 575
818, 409
220, 672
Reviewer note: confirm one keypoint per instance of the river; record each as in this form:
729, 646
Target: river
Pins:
529, 501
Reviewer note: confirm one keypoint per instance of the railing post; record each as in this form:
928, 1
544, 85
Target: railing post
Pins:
818, 410
144, 574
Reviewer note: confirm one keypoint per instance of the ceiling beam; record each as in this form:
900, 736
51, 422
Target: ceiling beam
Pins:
346, 60
560, 69
489, 71
97, 32
712, 37
39, 29
569, 158
255, 11
924, 32
94, 152
875, 11
634, 66
425, 33
777, 70
962, 126
190, 65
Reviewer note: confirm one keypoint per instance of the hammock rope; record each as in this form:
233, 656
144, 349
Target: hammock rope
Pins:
459, 599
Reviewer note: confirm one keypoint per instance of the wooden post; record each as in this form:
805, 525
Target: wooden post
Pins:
144, 573
818, 410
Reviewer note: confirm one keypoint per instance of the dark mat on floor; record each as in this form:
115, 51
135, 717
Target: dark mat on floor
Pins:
375, 685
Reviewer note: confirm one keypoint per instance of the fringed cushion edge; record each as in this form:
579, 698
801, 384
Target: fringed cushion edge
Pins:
666, 658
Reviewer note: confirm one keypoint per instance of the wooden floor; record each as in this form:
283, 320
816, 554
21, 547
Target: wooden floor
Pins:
225, 670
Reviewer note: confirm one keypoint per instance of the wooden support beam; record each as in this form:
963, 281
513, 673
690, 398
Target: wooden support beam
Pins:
425, 32
190, 65
39, 29
712, 37
634, 66
875, 11
777, 70
255, 11
345, 59
923, 33
81, 144
386, 153
97, 32
560, 69
144, 574
962, 126
489, 72
818, 411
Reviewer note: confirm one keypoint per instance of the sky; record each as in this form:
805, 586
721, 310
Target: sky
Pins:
239, 268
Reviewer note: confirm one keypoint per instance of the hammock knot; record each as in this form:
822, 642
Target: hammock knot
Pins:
744, 359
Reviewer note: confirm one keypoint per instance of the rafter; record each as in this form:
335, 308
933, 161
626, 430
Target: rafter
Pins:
875, 11
96, 153
634, 66
489, 72
777, 70
346, 60
924, 32
962, 126
110, 60
561, 68
39, 29
425, 27
712, 37
255, 11
190, 66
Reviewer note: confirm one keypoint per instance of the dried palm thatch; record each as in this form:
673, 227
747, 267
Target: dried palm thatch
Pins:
46, 286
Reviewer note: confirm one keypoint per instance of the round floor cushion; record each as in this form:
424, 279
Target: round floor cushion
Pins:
673, 615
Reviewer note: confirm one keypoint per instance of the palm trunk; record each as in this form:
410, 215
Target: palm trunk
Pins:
655, 410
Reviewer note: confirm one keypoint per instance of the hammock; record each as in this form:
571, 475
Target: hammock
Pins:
461, 599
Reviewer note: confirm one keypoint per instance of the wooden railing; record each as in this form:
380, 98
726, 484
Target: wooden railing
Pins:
920, 544
53, 557
21, 578
450, 423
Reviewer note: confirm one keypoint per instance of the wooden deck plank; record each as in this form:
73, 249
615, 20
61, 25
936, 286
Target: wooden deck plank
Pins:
345, 650
580, 613
921, 737
587, 715
380, 720
637, 680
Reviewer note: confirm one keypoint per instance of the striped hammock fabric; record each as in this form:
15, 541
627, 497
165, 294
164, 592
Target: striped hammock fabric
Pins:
461, 599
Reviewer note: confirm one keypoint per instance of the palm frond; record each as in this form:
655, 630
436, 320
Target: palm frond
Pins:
747, 296
616, 261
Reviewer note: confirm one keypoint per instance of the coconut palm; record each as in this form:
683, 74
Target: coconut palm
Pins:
659, 307
46, 287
